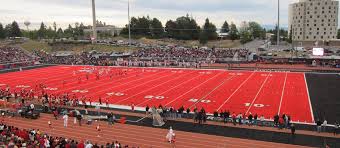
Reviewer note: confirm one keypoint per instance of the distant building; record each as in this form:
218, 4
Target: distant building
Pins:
102, 28
313, 20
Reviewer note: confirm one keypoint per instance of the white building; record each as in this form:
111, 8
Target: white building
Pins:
313, 20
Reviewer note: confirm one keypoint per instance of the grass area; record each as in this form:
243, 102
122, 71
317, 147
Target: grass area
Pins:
220, 43
188, 43
33, 45
102, 48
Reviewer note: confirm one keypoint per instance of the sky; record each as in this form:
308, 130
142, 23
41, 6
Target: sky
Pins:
114, 12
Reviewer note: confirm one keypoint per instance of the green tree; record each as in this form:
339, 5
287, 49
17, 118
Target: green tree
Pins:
203, 38
2, 32
8, 29
225, 27
245, 36
245, 33
233, 33
256, 30
81, 30
60, 33
68, 33
31, 34
55, 26
170, 28
156, 28
187, 28
50, 34
143, 26
42, 31
13, 30
208, 32
184, 28
338, 34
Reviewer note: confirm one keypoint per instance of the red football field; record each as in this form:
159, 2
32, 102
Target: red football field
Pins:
264, 93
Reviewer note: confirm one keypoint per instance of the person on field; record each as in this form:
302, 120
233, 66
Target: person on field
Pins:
318, 125
98, 129
336, 128
65, 117
170, 137
324, 125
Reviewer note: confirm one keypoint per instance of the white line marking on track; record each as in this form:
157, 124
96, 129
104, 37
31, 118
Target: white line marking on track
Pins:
310, 104
252, 103
282, 94
193, 88
235, 91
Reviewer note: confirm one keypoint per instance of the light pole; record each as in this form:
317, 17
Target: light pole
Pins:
94, 27
129, 23
278, 23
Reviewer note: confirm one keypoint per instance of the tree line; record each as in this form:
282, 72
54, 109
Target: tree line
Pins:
186, 28
182, 28
44, 32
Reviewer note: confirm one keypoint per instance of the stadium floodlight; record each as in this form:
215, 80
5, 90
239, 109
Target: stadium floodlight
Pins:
94, 27
278, 23
129, 23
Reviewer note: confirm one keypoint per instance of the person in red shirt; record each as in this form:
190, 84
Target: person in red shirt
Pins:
67, 145
81, 145
133, 107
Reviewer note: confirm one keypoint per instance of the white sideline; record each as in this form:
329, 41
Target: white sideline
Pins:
283, 90
310, 104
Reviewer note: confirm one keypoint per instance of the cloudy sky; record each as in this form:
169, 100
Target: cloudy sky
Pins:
114, 12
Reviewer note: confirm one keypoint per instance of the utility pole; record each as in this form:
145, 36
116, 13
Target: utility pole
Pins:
94, 27
278, 23
129, 23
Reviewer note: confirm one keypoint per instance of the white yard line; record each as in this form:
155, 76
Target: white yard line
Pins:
192, 89
225, 80
97, 92
153, 87
141, 84
170, 89
251, 104
310, 104
235, 91
282, 94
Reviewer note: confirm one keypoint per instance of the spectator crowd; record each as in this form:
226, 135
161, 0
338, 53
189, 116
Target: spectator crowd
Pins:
13, 137
13, 55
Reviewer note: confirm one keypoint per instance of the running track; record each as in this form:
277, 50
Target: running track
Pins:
264, 93
144, 137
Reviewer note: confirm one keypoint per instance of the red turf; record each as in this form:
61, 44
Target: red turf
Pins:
264, 93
